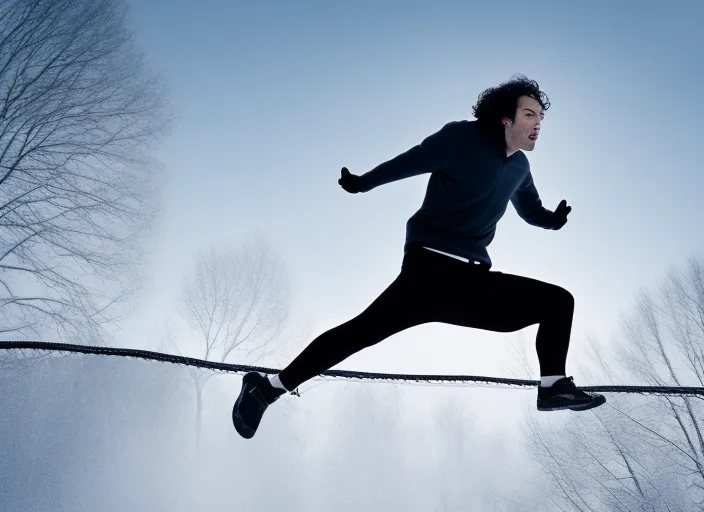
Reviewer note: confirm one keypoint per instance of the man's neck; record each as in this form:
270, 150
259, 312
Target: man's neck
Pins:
510, 150
509, 147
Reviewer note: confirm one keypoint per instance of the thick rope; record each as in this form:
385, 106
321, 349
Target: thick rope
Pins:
239, 368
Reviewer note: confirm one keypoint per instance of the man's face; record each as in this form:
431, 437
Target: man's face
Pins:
523, 131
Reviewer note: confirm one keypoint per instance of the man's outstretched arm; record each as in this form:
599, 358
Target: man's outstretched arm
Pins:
529, 207
431, 155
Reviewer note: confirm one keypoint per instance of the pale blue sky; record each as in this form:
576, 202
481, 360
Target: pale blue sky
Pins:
273, 98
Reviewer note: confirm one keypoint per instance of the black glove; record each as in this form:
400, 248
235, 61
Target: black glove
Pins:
349, 181
559, 216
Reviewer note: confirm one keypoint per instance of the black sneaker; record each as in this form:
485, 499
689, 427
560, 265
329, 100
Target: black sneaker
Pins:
257, 394
563, 394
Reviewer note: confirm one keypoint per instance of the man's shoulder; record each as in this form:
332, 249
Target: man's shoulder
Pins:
462, 128
471, 135
462, 124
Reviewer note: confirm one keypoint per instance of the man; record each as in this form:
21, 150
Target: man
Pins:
476, 167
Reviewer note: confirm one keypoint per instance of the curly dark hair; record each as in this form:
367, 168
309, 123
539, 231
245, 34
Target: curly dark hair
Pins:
501, 101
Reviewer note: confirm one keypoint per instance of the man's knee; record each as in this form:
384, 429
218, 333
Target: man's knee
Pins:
563, 298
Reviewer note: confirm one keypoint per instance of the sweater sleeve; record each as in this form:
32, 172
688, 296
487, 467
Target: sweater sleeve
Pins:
529, 207
434, 153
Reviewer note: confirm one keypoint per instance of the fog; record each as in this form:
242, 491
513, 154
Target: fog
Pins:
87, 432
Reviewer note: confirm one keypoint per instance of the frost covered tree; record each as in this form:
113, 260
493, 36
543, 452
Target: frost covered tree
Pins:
637, 452
79, 113
233, 308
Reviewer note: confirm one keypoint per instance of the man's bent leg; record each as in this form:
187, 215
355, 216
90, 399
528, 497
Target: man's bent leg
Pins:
506, 303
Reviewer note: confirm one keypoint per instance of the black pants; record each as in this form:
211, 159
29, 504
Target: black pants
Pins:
432, 287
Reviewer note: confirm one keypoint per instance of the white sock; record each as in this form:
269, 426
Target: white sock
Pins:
276, 382
548, 381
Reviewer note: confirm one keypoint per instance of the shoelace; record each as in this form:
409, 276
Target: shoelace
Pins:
578, 392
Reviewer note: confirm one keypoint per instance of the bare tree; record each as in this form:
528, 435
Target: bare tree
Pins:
638, 453
236, 303
666, 348
78, 114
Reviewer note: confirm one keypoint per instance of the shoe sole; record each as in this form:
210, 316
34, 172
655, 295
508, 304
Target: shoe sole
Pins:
591, 405
237, 420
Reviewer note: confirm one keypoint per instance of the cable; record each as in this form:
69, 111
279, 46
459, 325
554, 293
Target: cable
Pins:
349, 374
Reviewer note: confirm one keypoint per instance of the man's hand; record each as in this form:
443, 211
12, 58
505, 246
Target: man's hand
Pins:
559, 216
349, 181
